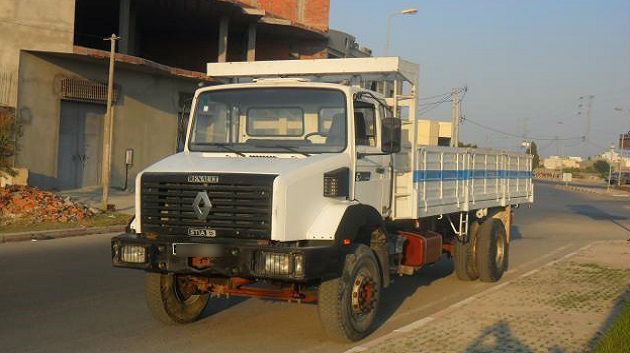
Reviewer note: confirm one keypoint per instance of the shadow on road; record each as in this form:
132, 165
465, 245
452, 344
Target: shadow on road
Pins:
216, 305
515, 233
599, 215
403, 287
595, 213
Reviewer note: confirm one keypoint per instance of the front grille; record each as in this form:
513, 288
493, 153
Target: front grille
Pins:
241, 204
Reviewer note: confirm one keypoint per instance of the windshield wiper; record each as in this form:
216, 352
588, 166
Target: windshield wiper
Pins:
290, 149
229, 149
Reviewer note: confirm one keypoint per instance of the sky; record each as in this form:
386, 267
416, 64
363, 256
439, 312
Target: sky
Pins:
525, 63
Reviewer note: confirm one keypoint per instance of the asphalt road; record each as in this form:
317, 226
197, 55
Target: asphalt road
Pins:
63, 295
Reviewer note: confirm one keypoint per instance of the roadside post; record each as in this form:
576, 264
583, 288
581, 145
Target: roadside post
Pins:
108, 124
612, 149
567, 178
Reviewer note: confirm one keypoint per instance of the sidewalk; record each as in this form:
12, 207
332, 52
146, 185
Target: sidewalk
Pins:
562, 307
123, 200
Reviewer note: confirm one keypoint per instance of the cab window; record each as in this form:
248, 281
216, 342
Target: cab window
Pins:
365, 124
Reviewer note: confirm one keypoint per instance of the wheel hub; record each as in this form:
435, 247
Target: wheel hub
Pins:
363, 294
500, 254
184, 289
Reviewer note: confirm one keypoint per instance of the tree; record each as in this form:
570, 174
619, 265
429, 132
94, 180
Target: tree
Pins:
602, 168
467, 145
533, 150
9, 131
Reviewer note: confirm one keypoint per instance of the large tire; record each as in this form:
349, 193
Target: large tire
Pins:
348, 305
492, 250
464, 256
169, 302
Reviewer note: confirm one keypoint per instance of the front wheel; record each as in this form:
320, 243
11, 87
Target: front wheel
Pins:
172, 299
348, 305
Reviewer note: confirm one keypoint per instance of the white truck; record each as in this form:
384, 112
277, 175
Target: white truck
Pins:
297, 183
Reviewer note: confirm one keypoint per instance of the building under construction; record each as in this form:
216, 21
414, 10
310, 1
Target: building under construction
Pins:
53, 72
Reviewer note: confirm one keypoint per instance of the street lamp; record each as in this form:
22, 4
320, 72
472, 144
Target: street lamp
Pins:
410, 11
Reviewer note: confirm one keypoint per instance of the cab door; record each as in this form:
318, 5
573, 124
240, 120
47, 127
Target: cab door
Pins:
371, 177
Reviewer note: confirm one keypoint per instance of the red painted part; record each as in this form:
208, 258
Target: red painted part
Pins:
448, 247
288, 294
200, 262
421, 248
241, 287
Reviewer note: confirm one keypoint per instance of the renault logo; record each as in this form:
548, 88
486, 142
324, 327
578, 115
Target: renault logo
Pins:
202, 205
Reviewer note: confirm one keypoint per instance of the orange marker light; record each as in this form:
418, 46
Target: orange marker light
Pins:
346, 242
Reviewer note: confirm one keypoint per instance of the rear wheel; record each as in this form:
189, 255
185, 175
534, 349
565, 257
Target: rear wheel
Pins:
464, 256
348, 305
492, 250
172, 299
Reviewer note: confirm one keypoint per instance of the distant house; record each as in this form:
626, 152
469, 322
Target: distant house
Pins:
615, 158
561, 162
434, 133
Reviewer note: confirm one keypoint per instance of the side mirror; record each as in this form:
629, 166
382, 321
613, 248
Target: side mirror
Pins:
391, 135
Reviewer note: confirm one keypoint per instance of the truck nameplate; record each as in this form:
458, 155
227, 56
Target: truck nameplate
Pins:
202, 232
212, 179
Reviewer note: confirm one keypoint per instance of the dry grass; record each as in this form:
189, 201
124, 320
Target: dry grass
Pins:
617, 338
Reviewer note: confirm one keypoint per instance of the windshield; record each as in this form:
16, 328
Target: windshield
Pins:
285, 120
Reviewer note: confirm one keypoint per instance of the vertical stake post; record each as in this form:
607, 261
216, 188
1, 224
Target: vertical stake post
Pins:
108, 124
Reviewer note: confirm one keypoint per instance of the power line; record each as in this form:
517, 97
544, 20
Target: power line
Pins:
517, 136
436, 96
444, 100
430, 106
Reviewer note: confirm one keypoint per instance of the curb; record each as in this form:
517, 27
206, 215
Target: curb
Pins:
612, 192
58, 233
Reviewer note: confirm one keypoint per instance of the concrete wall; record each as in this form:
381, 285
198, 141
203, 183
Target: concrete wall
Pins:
35, 25
428, 132
445, 129
146, 114
271, 48
313, 13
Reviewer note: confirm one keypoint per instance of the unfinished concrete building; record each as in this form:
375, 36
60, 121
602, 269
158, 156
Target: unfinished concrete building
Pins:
53, 72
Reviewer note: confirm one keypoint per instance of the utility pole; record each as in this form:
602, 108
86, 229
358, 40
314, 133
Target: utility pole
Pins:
557, 145
589, 105
108, 124
612, 149
622, 141
455, 115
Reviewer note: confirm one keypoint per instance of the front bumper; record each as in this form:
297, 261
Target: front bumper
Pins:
228, 258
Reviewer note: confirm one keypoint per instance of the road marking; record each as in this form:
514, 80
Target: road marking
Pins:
419, 323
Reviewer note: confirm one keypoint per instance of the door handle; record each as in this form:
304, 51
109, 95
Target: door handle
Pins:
380, 170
